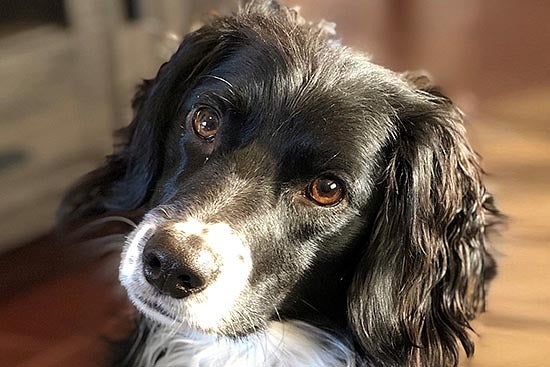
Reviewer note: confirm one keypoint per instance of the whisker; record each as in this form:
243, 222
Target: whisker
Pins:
113, 218
277, 313
220, 79
310, 305
164, 212
90, 225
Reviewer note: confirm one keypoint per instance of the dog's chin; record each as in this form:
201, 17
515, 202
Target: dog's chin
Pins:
155, 312
159, 314
157, 309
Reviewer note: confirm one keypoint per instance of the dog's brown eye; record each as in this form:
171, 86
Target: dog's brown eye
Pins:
205, 123
326, 191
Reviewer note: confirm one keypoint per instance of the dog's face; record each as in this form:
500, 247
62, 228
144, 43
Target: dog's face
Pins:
288, 177
269, 166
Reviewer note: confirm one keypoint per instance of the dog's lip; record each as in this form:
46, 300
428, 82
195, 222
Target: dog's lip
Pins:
183, 326
155, 306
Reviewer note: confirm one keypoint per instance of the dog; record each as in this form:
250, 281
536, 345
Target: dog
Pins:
303, 205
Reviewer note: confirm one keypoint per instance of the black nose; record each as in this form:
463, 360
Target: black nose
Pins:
178, 268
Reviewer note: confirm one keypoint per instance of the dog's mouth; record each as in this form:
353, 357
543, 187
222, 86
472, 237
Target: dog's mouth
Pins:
205, 308
154, 310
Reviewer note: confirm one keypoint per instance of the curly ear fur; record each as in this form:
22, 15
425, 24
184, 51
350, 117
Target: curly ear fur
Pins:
424, 272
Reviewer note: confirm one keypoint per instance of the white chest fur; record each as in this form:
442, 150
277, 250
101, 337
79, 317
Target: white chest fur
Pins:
291, 343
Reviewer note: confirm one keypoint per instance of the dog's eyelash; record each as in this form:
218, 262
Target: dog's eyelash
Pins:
223, 80
215, 99
226, 101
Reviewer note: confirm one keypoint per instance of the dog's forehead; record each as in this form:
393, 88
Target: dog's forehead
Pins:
319, 107
333, 92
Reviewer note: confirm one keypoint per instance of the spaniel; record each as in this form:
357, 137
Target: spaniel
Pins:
303, 205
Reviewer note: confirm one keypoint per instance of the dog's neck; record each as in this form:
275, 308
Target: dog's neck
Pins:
289, 343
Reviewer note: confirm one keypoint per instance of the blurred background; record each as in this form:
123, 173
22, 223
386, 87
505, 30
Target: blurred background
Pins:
68, 69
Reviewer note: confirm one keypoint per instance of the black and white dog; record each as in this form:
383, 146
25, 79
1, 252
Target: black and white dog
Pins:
305, 207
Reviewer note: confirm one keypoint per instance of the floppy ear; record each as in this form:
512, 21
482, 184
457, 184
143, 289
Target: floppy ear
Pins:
424, 272
127, 179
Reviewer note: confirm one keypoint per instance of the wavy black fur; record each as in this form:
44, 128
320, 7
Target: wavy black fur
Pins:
412, 266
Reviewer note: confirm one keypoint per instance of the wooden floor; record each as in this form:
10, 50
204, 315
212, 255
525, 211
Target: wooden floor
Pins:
60, 303
514, 136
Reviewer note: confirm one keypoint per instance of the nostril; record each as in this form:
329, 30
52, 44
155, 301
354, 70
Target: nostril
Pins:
188, 282
153, 266
177, 270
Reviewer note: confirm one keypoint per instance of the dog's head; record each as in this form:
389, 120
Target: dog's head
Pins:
286, 176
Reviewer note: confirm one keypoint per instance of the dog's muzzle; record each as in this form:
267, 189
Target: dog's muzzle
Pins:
176, 266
